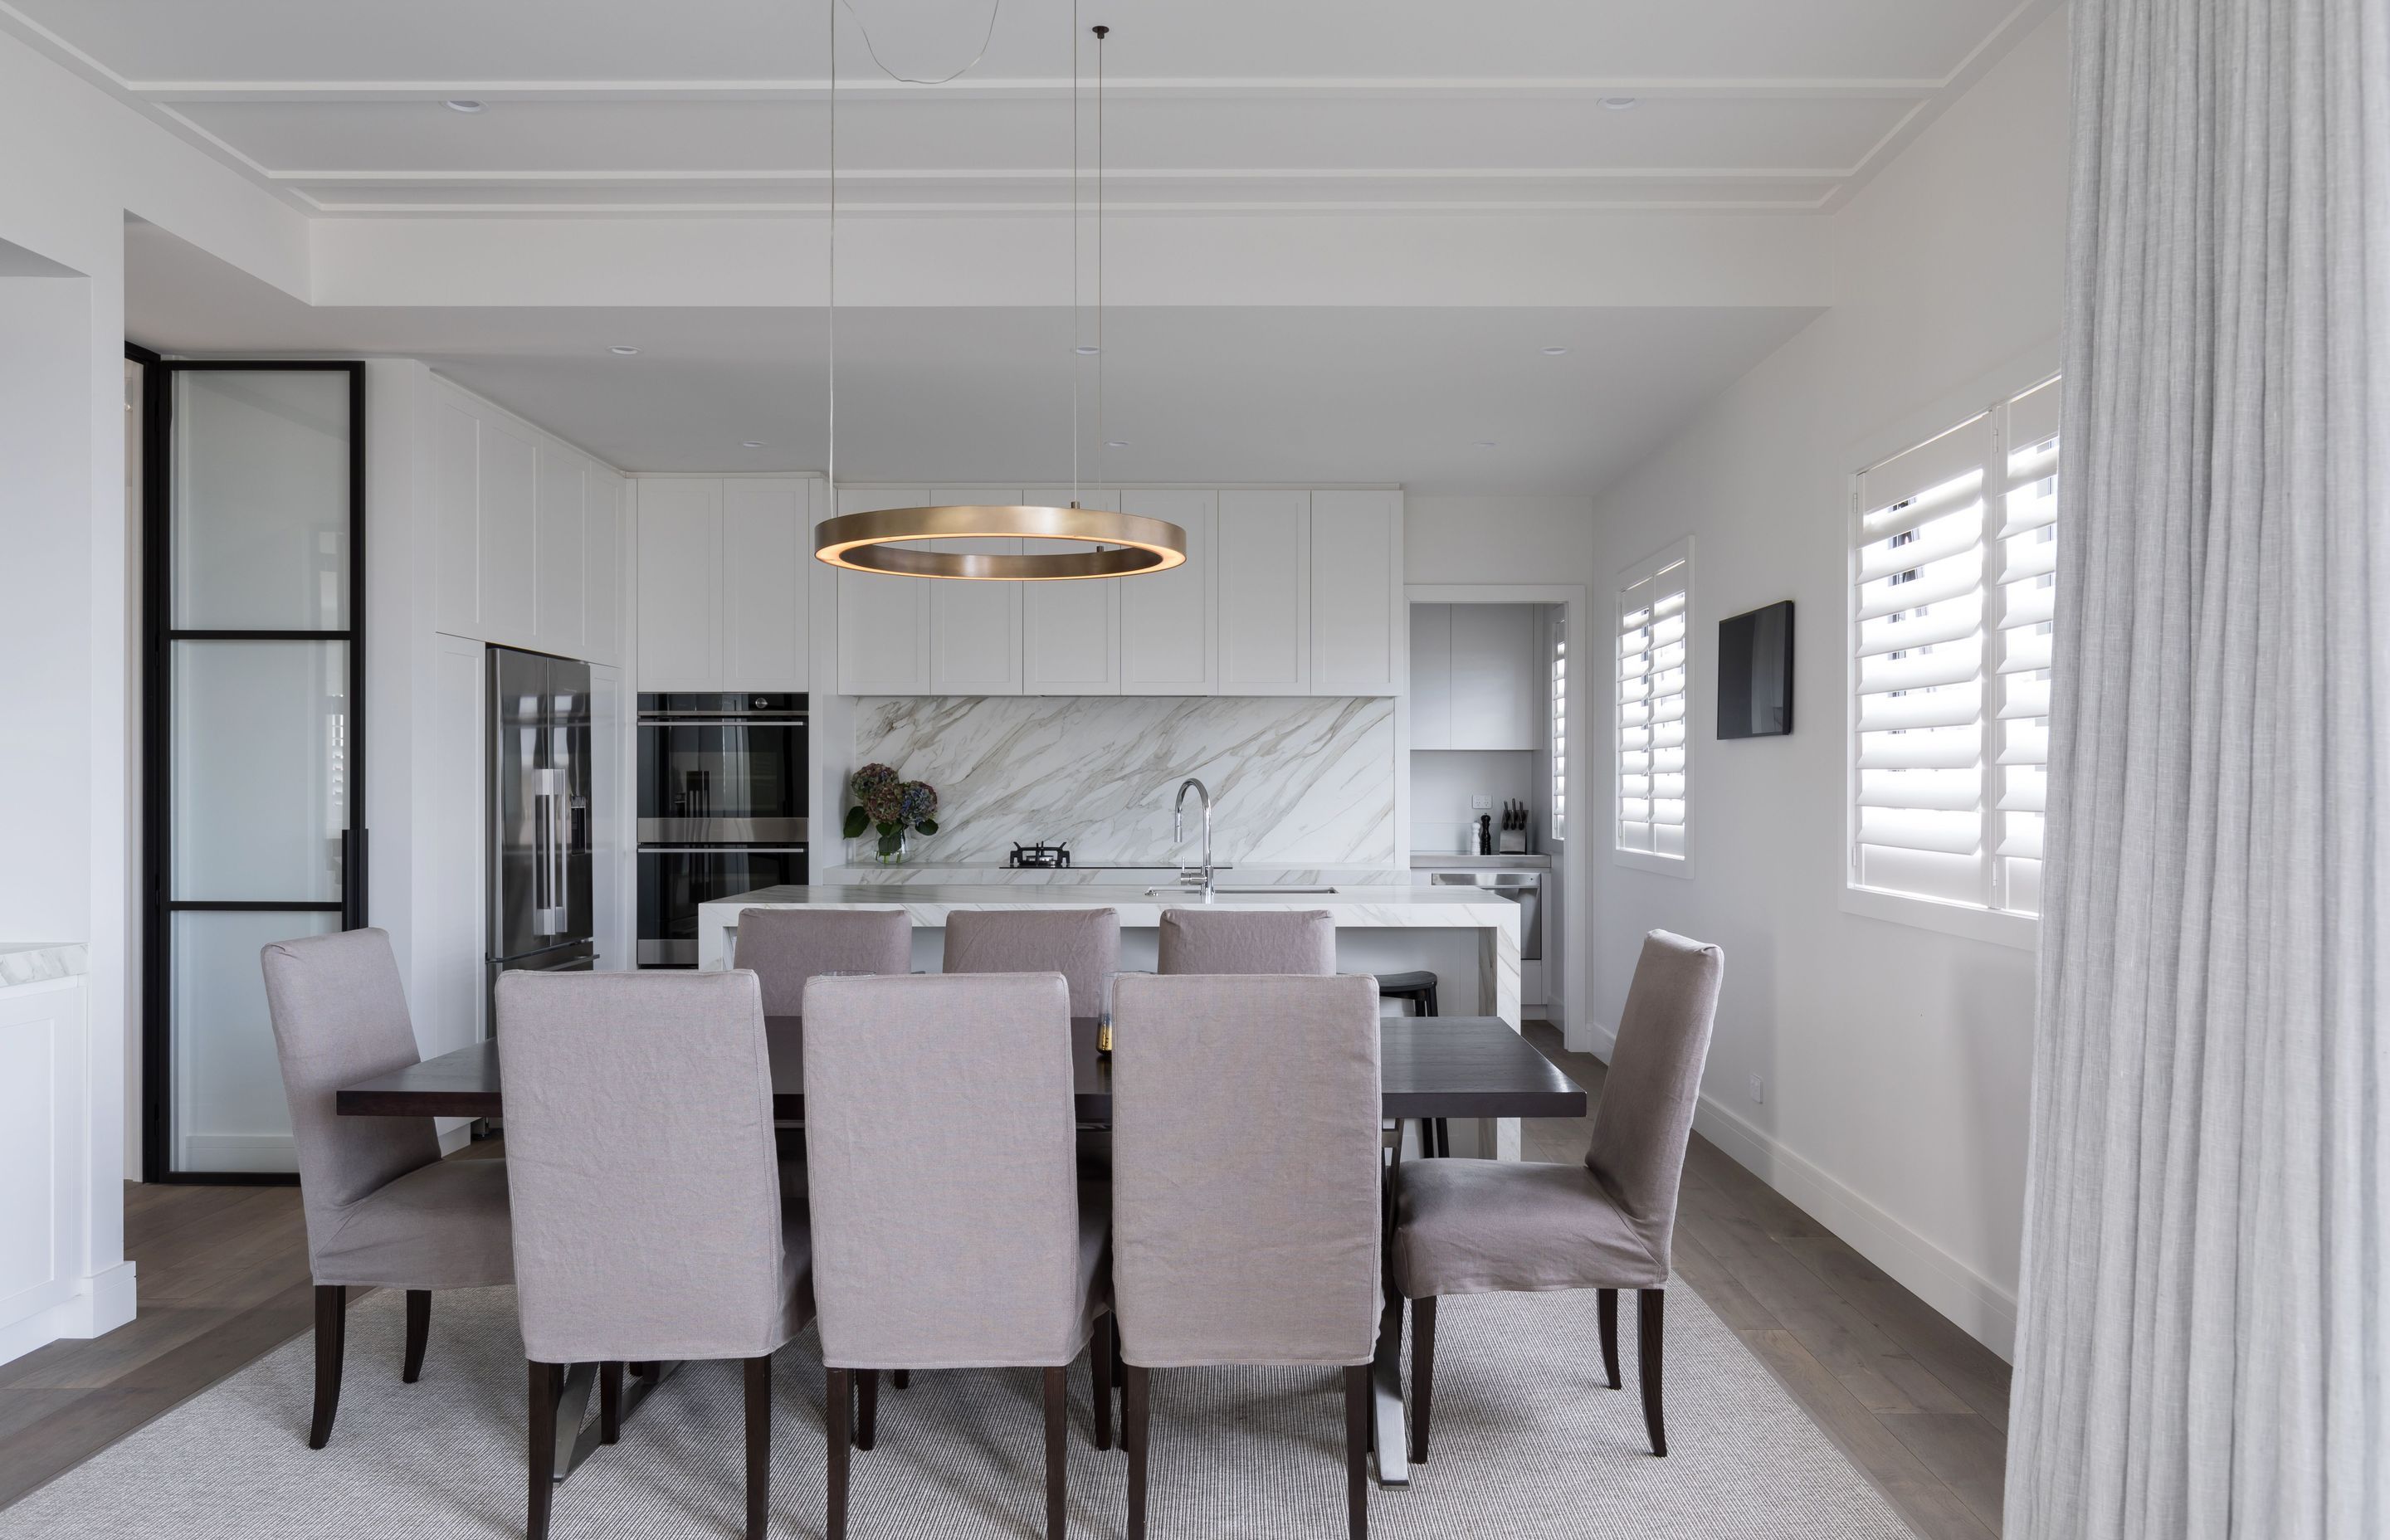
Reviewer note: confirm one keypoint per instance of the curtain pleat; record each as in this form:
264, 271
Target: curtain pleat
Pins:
2204, 1317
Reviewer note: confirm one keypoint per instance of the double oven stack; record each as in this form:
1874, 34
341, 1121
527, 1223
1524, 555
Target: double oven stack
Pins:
722, 808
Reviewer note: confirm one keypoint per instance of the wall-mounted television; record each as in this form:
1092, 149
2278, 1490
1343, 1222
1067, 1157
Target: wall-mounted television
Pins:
1754, 688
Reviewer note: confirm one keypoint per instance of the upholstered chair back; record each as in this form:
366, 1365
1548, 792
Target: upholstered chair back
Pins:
648, 1206
943, 1172
1247, 941
1646, 1112
340, 1016
1245, 1169
1081, 944
785, 947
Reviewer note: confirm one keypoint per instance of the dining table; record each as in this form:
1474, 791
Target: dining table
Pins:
1428, 1066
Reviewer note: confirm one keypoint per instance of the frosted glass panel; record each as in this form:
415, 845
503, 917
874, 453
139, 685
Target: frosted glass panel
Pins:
260, 770
228, 1110
260, 500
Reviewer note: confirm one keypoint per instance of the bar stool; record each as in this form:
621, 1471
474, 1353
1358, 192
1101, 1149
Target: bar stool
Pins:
1419, 991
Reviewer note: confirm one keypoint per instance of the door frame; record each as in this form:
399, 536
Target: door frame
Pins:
158, 634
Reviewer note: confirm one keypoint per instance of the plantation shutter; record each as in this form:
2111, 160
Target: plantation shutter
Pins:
1651, 636
2028, 582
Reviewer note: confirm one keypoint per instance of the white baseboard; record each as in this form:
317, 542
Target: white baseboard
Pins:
1973, 1302
244, 1152
99, 1305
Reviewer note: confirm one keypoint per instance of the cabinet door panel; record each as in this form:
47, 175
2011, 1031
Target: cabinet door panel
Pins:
1430, 676
883, 622
1263, 593
602, 523
974, 626
680, 566
558, 617
764, 549
1167, 621
456, 487
1357, 637
1070, 632
1493, 677
510, 534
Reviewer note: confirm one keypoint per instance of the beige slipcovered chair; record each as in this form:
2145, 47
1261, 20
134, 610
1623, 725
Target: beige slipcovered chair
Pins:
1081, 944
950, 1226
785, 947
1498, 1226
1244, 1234
652, 1221
1247, 941
383, 1209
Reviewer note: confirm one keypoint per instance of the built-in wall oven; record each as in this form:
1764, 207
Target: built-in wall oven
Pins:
722, 808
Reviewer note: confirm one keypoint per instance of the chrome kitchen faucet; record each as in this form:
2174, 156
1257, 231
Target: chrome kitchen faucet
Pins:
1179, 833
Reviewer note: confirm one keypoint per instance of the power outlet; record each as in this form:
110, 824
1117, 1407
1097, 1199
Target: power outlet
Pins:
1758, 1088
1482, 803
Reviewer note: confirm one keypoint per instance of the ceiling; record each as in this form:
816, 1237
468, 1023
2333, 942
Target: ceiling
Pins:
1259, 394
614, 106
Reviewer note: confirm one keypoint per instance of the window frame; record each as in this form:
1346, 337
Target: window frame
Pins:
1989, 400
1678, 552
1556, 722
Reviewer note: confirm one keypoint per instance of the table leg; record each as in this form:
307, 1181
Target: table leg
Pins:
1388, 1434
575, 1443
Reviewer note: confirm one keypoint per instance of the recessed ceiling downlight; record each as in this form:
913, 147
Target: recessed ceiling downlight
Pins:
623, 350
1485, 443
1620, 104
1087, 351
751, 443
1115, 444
465, 104
1554, 352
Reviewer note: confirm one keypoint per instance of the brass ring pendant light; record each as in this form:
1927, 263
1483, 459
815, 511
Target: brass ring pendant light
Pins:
891, 541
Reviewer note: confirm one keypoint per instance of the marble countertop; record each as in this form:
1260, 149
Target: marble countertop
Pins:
1463, 908
32, 962
1538, 861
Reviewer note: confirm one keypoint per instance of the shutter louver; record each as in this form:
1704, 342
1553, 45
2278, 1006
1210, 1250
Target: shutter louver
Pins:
1953, 565
1653, 633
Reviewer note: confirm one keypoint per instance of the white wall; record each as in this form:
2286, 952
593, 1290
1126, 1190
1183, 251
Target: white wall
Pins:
1896, 1057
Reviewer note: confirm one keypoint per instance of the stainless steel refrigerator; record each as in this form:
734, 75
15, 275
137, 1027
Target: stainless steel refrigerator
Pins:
539, 819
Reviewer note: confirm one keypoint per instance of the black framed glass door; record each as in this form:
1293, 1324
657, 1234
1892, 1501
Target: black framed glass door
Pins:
253, 734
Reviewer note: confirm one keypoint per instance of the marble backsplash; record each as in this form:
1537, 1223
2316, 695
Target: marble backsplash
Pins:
1294, 781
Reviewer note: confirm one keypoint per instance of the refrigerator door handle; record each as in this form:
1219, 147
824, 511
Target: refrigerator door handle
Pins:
548, 900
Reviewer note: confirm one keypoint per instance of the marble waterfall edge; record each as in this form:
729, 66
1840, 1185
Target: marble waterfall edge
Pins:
1295, 781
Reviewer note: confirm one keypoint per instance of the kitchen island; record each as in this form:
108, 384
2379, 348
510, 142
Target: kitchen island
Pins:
1467, 936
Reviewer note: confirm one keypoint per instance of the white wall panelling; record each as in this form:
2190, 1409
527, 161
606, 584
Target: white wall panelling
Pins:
54, 1279
883, 622
1263, 550
1166, 642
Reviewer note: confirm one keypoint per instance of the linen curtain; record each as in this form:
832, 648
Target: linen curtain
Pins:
2205, 1334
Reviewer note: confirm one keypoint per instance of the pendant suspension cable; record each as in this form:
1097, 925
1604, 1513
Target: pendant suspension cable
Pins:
1074, 253
832, 470
1102, 443
986, 37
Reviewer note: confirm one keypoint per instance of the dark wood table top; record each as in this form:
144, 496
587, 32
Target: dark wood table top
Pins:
1432, 1066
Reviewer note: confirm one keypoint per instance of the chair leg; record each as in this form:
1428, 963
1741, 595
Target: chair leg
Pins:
1356, 1448
1606, 1305
1647, 1303
547, 1386
609, 1403
1422, 1373
901, 1379
759, 1446
836, 1403
1120, 1364
867, 1407
331, 1344
1132, 1432
419, 1332
1057, 1421
1100, 1356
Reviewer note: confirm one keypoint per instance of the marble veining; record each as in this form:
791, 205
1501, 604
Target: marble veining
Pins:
33, 962
911, 874
1295, 781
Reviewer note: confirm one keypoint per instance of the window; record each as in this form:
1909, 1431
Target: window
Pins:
1953, 571
1559, 723
1654, 612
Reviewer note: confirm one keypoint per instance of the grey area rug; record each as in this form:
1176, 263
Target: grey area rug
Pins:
1528, 1442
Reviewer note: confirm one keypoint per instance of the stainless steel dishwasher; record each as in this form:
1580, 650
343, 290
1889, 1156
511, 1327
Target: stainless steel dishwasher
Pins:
1524, 888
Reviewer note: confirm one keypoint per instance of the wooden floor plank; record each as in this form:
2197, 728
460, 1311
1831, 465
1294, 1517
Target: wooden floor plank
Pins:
1964, 1450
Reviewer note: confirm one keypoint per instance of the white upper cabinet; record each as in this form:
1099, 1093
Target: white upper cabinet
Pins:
1263, 593
1070, 632
1357, 639
1430, 676
457, 496
680, 582
605, 526
560, 622
883, 622
766, 547
975, 625
1166, 619
1493, 677
508, 534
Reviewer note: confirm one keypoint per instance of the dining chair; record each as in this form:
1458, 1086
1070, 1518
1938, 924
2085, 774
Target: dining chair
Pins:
652, 1219
383, 1209
1498, 1226
1081, 944
1245, 1189
1247, 941
785, 947
951, 1229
